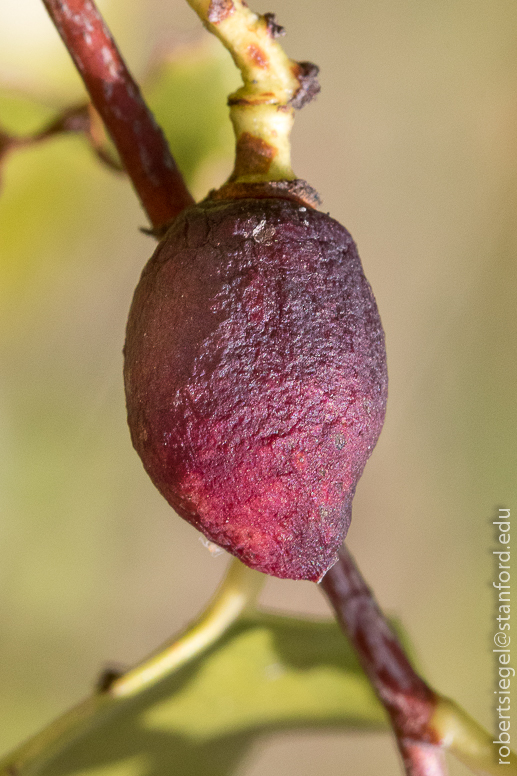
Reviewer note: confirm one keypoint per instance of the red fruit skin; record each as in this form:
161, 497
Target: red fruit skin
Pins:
256, 380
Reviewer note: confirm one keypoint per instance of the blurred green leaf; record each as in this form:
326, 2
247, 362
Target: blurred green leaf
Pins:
188, 95
268, 673
47, 190
21, 114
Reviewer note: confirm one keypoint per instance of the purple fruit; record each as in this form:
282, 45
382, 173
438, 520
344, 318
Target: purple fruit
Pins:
256, 382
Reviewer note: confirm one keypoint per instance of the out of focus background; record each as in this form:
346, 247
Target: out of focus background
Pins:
413, 146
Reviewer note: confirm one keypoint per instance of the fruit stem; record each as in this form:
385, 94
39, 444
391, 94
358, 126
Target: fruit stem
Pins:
139, 141
424, 722
262, 110
237, 594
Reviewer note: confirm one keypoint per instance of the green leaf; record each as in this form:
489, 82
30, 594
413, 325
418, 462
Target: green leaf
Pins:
21, 114
188, 95
268, 673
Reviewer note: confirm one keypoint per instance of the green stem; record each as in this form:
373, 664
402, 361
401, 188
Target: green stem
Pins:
468, 741
236, 595
42, 746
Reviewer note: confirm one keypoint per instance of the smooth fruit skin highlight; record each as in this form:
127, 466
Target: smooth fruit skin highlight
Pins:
256, 382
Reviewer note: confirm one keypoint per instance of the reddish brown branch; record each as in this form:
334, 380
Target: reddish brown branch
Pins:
421, 759
408, 700
80, 119
139, 141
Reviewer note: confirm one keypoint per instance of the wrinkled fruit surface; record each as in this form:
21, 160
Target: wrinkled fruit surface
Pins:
256, 380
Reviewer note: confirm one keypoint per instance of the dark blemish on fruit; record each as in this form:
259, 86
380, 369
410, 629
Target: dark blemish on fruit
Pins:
340, 441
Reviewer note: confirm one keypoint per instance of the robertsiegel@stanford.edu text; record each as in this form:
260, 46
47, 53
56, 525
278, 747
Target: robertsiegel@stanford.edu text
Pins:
502, 637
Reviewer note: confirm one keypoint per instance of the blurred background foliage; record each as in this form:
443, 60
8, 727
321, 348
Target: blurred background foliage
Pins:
413, 146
